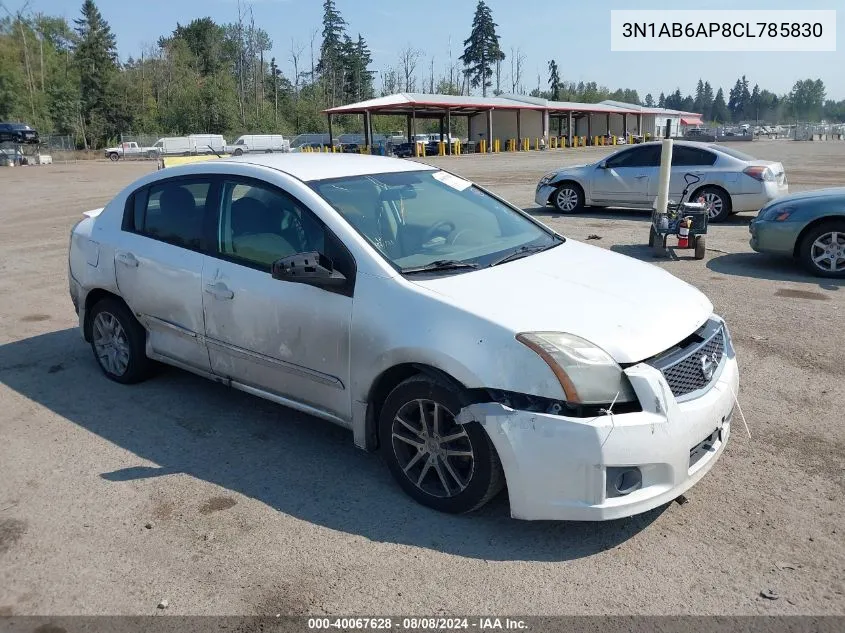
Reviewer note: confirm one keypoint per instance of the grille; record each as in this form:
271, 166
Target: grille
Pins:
688, 374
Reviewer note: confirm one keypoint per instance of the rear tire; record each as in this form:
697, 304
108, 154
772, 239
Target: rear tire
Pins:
446, 466
718, 203
119, 342
568, 198
828, 239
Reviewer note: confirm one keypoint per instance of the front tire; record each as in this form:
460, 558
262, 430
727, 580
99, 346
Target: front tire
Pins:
822, 250
238, 152
114, 157
717, 201
118, 342
568, 198
441, 464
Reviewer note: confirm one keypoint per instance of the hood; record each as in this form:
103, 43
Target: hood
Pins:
817, 194
570, 168
631, 309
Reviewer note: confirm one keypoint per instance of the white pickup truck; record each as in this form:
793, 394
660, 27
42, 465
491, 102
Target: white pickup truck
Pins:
130, 150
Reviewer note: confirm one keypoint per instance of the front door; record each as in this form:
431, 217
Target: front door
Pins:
288, 339
623, 179
159, 265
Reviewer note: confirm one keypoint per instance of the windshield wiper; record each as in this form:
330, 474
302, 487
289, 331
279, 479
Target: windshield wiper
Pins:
522, 251
440, 264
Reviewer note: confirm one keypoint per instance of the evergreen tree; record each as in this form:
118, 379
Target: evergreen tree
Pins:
649, 101
554, 80
95, 55
719, 112
698, 103
330, 65
707, 101
661, 102
481, 49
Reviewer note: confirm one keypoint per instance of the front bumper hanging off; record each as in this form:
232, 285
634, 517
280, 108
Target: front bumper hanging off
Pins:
565, 468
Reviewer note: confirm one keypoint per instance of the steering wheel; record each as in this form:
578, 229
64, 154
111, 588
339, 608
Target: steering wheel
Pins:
444, 228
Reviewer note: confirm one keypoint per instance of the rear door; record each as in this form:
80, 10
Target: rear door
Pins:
159, 262
624, 178
687, 159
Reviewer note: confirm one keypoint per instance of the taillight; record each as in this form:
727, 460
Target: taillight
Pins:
759, 172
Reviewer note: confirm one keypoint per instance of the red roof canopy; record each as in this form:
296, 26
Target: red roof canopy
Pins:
691, 121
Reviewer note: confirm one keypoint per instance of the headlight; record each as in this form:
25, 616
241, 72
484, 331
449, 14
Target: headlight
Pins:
548, 177
778, 213
587, 374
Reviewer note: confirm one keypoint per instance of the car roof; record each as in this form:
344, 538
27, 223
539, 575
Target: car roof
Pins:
324, 166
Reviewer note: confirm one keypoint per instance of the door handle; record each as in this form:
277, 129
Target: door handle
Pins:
641, 176
219, 290
127, 259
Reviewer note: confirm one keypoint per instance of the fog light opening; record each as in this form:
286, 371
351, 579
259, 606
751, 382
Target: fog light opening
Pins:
628, 481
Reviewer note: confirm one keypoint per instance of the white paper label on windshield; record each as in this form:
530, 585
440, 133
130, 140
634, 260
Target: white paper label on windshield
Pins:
452, 181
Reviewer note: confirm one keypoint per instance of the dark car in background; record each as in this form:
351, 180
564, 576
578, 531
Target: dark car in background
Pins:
18, 133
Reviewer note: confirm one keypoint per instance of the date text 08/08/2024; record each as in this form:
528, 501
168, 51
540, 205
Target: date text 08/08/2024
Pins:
418, 623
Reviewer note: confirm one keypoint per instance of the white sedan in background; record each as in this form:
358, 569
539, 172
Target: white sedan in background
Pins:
471, 344
731, 181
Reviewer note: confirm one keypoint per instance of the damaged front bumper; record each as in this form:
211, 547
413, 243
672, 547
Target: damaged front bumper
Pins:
559, 467
543, 194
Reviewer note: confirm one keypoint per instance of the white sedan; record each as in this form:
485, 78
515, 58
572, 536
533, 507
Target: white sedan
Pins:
472, 345
730, 181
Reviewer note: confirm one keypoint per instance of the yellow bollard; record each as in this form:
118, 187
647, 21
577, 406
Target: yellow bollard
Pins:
458, 148
614, 140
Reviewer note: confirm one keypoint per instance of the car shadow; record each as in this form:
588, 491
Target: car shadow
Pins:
772, 267
637, 215
296, 464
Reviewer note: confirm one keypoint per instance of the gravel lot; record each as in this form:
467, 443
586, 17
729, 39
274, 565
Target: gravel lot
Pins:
113, 498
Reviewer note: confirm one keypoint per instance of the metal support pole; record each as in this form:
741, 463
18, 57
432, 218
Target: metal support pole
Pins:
519, 130
546, 128
368, 139
625, 125
590, 129
569, 130
331, 135
607, 124
409, 127
490, 130
449, 131
640, 125
442, 131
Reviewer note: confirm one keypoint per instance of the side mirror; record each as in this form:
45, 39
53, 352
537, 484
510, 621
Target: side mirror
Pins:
314, 269
602, 165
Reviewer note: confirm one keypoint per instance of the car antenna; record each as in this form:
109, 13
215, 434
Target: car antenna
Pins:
214, 151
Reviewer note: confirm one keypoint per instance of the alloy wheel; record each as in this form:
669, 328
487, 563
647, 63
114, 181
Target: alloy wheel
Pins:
828, 252
714, 204
433, 451
567, 199
110, 343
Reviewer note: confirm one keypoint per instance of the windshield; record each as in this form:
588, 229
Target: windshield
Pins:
732, 152
416, 219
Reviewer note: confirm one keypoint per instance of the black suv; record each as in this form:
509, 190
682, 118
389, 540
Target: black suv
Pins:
18, 133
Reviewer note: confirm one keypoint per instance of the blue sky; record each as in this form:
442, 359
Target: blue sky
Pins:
574, 32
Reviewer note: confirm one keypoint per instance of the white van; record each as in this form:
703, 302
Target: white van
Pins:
265, 143
208, 143
174, 146
188, 145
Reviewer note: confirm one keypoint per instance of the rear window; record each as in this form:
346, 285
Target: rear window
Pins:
171, 211
732, 152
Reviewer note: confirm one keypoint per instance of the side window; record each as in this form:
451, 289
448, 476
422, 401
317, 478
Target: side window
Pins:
635, 157
172, 211
259, 224
686, 156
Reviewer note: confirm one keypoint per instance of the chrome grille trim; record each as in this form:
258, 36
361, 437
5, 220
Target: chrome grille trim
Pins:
683, 368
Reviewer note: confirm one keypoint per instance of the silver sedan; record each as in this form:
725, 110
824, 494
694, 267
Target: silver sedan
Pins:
731, 181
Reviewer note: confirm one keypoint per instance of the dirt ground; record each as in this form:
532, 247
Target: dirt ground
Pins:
113, 498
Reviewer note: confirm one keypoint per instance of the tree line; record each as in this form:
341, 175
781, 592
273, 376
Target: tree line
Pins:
66, 78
